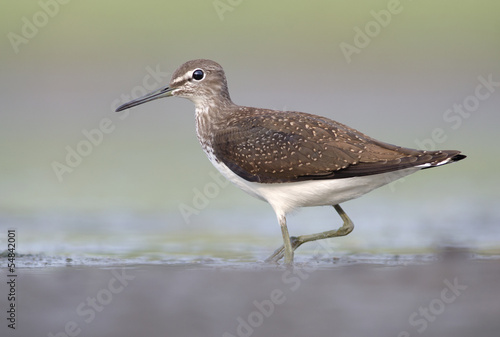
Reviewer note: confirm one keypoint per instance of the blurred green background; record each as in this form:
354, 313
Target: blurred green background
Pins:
65, 67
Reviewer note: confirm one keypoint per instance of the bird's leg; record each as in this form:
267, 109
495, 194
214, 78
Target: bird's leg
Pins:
286, 249
296, 241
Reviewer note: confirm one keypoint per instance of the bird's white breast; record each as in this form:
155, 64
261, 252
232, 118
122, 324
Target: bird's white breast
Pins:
285, 197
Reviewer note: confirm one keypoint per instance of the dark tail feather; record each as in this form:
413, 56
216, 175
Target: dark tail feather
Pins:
444, 157
458, 157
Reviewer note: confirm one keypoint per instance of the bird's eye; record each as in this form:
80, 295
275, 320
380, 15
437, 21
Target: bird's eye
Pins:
198, 75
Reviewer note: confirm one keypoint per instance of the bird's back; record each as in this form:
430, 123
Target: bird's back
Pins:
270, 146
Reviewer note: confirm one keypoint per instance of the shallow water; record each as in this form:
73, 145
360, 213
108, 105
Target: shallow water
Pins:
207, 278
452, 293
252, 233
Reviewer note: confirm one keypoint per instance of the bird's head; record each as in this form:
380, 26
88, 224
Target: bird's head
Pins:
200, 81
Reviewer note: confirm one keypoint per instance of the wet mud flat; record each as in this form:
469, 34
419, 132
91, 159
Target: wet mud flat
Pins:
456, 295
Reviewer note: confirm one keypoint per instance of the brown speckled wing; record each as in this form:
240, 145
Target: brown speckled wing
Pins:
270, 146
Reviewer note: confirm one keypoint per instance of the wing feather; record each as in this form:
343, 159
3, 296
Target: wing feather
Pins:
270, 146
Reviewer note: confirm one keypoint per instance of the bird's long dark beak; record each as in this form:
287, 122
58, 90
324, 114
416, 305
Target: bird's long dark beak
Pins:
162, 92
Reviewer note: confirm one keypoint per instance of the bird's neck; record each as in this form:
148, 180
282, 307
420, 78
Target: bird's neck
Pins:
211, 116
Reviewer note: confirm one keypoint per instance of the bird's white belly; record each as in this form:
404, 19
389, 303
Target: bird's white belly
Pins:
285, 197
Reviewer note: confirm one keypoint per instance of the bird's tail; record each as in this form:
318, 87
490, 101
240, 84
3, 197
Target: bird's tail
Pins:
443, 157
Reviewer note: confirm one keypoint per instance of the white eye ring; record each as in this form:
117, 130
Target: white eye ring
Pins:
198, 74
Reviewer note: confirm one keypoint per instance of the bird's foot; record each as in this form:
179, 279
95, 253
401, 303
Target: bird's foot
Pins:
280, 252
